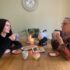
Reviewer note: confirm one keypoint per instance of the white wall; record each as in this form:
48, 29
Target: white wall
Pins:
68, 8
48, 15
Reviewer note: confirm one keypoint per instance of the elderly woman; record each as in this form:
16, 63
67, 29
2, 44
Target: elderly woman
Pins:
61, 40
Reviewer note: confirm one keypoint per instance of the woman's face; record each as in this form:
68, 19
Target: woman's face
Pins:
7, 27
66, 25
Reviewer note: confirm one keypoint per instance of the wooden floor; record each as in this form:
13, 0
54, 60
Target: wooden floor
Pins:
15, 62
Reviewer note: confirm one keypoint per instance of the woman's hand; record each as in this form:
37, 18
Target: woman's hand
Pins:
56, 35
12, 37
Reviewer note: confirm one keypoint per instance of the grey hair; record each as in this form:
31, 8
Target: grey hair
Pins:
68, 18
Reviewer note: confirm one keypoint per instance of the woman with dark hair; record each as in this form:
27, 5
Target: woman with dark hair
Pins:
8, 41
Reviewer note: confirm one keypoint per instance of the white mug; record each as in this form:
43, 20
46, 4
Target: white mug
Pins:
25, 54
